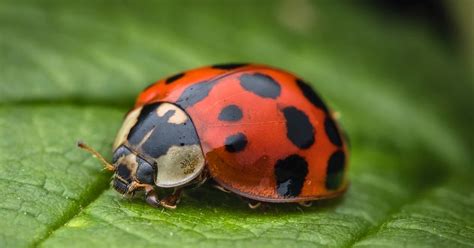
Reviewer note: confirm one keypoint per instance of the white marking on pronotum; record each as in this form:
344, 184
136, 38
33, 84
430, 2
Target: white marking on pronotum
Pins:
178, 117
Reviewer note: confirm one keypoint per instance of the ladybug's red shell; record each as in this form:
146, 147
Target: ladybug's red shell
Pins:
265, 134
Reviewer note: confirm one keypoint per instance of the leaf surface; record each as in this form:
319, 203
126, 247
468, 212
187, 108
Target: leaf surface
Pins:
70, 71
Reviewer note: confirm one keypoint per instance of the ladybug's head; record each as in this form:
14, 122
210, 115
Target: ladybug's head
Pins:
157, 146
132, 172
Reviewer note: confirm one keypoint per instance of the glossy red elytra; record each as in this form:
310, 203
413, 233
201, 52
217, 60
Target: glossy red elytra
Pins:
257, 131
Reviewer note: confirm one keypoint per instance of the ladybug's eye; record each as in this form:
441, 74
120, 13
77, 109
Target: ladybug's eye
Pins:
145, 172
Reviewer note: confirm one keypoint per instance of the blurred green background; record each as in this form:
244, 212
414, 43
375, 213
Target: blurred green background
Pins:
399, 72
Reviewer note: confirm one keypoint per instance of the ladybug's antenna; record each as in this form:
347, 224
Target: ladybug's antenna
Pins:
96, 154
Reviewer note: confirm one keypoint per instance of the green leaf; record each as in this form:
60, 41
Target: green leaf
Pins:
44, 180
70, 71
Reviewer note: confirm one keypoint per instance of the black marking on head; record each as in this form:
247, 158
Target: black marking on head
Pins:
195, 93
124, 172
335, 170
236, 142
332, 132
174, 78
121, 187
298, 128
164, 135
145, 172
290, 175
311, 95
261, 85
230, 113
228, 66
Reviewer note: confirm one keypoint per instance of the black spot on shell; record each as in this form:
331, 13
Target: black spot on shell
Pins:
229, 66
290, 175
335, 170
261, 85
164, 134
311, 95
298, 128
332, 132
174, 78
230, 113
195, 93
236, 142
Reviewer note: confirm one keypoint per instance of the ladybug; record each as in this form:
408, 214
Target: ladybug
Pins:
259, 132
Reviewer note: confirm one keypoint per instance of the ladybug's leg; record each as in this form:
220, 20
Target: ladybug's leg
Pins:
306, 203
151, 196
254, 204
173, 199
201, 179
217, 186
